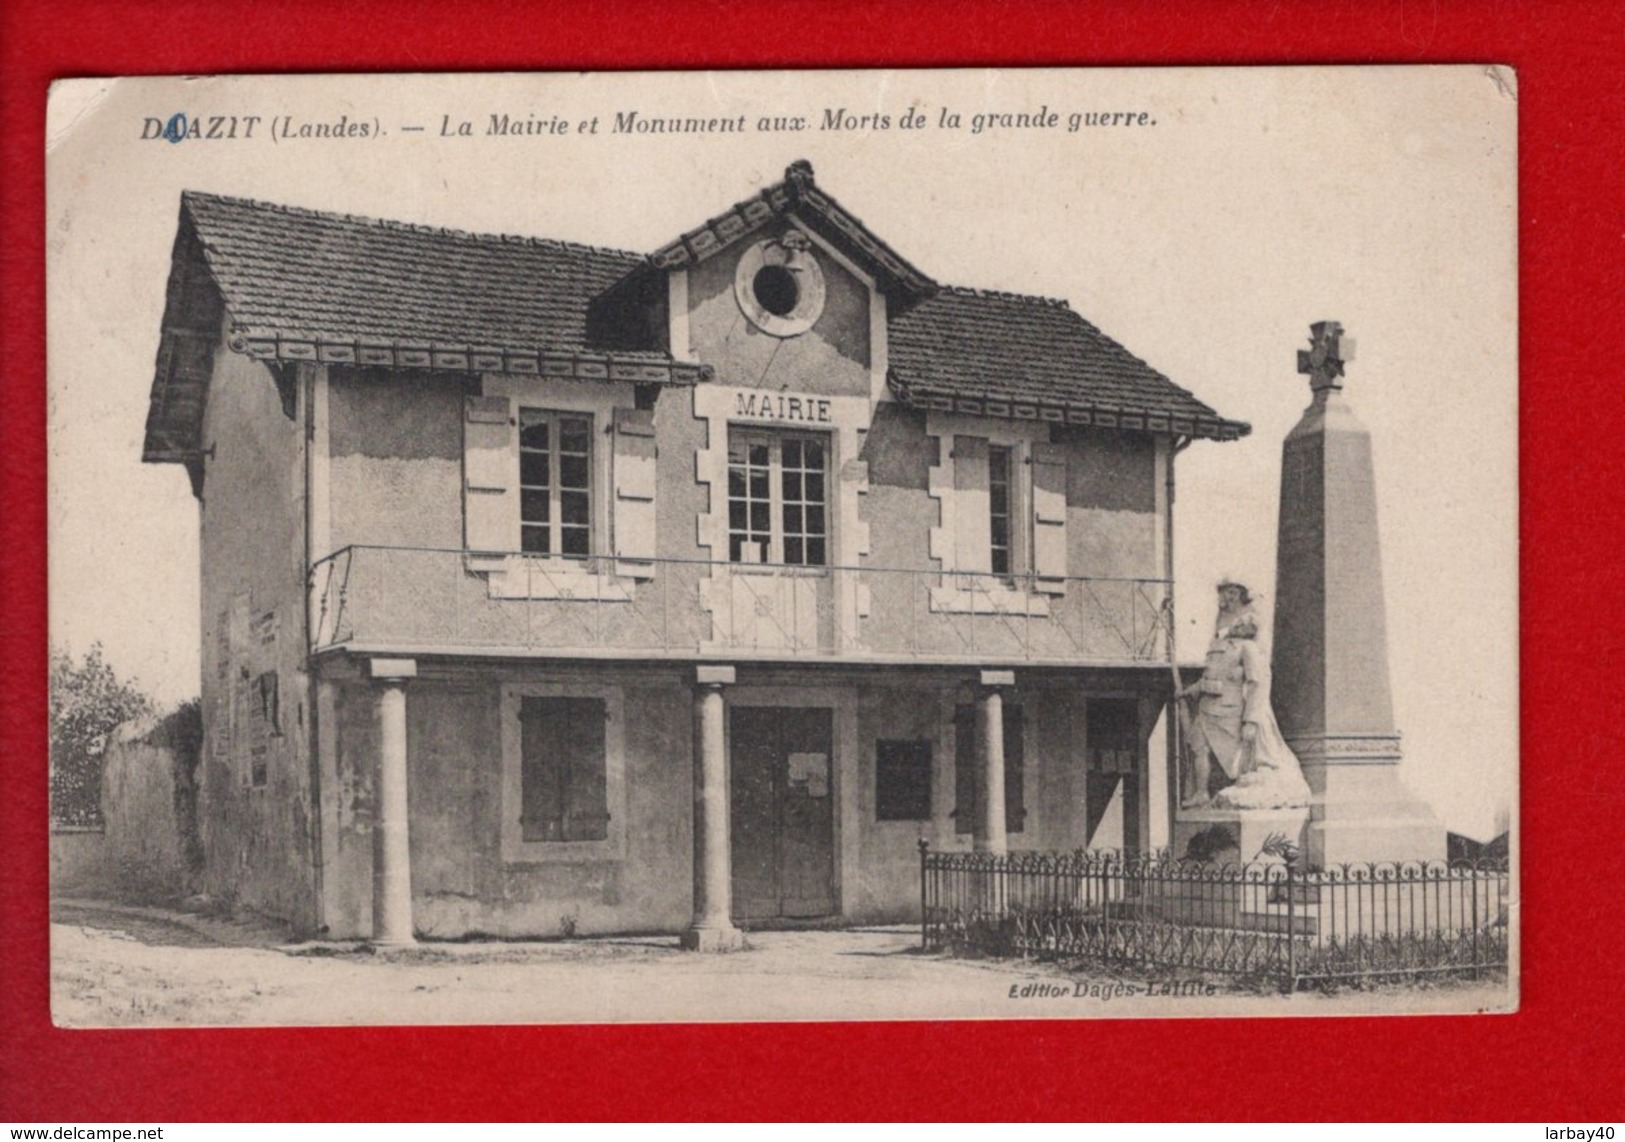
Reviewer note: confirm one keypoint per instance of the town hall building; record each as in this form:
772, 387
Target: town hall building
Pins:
551, 589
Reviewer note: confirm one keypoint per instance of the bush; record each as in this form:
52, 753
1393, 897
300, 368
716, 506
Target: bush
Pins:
88, 703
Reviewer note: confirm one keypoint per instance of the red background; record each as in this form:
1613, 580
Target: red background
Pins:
1559, 1059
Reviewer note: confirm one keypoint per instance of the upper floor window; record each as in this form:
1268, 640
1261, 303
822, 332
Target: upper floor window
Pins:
777, 509
555, 483
1000, 511
1004, 516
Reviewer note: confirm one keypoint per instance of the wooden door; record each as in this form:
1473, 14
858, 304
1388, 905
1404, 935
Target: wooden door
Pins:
782, 817
753, 813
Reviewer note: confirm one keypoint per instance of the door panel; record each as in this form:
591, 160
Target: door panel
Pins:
782, 815
807, 851
753, 815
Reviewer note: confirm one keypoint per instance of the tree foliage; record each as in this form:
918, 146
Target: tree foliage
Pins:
89, 701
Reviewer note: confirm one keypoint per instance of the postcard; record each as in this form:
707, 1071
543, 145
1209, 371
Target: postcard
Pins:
744, 546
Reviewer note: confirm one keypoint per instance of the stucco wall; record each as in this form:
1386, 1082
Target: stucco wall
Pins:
880, 877
680, 499
1111, 494
461, 883
830, 359
1112, 532
396, 442
255, 799
883, 880
898, 505
1111, 503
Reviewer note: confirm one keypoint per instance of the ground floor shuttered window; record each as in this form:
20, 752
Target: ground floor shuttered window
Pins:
967, 775
562, 776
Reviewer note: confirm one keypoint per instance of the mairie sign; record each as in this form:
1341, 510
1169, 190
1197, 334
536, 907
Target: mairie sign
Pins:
782, 406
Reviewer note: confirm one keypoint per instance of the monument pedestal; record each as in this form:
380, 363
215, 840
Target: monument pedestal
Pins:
1363, 813
1238, 899
1235, 836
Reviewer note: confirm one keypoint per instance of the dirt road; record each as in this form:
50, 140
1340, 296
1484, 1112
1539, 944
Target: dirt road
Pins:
117, 966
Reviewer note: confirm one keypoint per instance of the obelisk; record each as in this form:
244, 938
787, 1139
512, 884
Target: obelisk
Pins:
1330, 663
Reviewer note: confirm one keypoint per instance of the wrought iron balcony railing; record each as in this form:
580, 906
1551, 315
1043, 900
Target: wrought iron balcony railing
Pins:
423, 600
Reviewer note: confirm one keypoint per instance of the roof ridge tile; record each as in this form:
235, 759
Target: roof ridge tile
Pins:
1006, 295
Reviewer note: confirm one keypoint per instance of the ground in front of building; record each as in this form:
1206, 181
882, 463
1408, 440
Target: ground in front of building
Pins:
120, 966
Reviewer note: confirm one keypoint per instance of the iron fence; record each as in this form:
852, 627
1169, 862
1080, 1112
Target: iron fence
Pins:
1266, 920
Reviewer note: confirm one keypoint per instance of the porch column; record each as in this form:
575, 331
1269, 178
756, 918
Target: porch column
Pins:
712, 929
989, 834
1137, 830
391, 848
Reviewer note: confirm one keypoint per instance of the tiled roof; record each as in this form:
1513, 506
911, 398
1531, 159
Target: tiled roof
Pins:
302, 275
1004, 354
898, 277
305, 285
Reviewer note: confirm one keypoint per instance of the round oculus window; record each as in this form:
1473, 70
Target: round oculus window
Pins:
780, 287
776, 290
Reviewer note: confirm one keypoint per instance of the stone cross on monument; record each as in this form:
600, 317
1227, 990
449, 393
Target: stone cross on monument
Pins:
1329, 351
1330, 661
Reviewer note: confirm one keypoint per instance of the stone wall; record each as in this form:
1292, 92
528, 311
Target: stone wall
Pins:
78, 861
152, 846
255, 792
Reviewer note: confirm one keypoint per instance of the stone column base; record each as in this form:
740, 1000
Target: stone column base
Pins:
729, 939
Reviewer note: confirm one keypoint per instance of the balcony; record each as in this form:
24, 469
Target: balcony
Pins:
400, 600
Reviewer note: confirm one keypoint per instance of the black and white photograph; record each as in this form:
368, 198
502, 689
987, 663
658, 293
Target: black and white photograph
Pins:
870, 545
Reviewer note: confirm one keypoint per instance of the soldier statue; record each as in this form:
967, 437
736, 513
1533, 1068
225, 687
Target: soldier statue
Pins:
1233, 724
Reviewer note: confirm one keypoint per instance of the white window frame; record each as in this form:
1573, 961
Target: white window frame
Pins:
517, 850
555, 489
775, 439
515, 575
1017, 511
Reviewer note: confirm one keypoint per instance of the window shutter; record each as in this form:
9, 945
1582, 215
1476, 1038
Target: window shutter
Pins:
973, 537
488, 474
635, 478
544, 770
1049, 517
563, 787
586, 807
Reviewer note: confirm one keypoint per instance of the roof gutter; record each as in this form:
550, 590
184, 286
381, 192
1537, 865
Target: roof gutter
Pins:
579, 365
1099, 415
